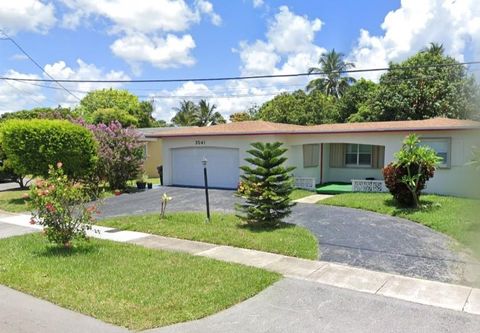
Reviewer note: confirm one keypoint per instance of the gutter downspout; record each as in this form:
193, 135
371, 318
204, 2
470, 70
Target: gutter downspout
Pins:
321, 163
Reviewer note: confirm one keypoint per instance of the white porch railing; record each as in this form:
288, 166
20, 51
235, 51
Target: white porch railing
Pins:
363, 185
306, 183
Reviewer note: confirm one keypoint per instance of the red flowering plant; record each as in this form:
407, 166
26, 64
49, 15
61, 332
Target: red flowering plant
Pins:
60, 206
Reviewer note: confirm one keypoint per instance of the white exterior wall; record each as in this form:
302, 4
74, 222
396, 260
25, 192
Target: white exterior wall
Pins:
452, 181
240, 142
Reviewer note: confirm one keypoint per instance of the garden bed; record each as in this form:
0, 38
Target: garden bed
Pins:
224, 229
124, 284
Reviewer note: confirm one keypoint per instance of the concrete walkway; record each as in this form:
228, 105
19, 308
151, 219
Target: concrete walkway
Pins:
313, 199
443, 295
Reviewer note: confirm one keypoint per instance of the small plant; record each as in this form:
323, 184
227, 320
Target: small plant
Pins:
59, 205
163, 207
266, 186
408, 175
142, 181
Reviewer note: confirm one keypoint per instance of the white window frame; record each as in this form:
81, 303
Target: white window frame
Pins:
145, 150
425, 140
357, 164
315, 158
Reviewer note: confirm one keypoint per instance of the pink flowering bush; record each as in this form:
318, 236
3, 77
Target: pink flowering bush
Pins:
120, 153
59, 205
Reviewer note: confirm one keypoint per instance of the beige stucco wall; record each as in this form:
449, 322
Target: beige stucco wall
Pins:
452, 181
154, 157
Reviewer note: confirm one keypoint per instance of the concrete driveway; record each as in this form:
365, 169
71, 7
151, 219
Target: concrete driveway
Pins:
350, 236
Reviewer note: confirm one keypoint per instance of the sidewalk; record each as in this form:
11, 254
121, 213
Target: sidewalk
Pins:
24, 313
443, 295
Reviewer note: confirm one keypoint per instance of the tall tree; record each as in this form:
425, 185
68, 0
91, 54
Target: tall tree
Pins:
191, 114
120, 100
206, 115
435, 49
41, 113
355, 104
300, 108
426, 85
239, 116
185, 114
332, 82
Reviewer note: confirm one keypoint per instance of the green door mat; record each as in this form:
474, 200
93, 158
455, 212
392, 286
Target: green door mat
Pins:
334, 188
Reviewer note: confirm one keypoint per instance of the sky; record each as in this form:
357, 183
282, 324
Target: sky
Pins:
178, 39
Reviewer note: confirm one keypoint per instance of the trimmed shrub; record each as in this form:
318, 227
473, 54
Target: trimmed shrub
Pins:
407, 176
266, 186
31, 146
393, 180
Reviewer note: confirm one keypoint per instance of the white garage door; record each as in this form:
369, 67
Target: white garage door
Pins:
222, 167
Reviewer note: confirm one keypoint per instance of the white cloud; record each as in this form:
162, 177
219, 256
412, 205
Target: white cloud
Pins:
149, 30
257, 3
26, 15
83, 71
258, 58
289, 46
414, 25
140, 16
220, 95
167, 52
206, 7
15, 95
18, 57
291, 33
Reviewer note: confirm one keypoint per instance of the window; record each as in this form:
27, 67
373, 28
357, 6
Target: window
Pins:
441, 147
145, 150
311, 155
358, 155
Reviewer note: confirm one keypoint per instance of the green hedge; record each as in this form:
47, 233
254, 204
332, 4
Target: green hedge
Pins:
32, 145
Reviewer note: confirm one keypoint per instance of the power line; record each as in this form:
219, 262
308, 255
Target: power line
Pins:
7, 37
27, 94
235, 78
245, 94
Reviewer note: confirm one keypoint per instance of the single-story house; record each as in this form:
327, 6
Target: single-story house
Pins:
323, 153
153, 149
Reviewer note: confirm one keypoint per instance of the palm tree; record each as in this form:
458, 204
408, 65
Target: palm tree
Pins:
185, 114
435, 49
206, 115
332, 82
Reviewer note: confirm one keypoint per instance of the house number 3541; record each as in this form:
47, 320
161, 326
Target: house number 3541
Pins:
199, 142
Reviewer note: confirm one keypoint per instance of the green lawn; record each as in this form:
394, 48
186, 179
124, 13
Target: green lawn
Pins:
299, 193
127, 285
453, 216
12, 201
225, 229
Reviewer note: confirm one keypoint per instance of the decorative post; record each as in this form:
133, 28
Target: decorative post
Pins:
205, 178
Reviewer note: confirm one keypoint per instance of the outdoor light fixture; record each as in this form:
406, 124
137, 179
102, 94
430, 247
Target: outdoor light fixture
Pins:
205, 178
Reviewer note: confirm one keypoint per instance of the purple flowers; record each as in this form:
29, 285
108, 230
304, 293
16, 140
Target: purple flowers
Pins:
120, 153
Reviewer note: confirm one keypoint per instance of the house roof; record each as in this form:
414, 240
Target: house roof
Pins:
264, 128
